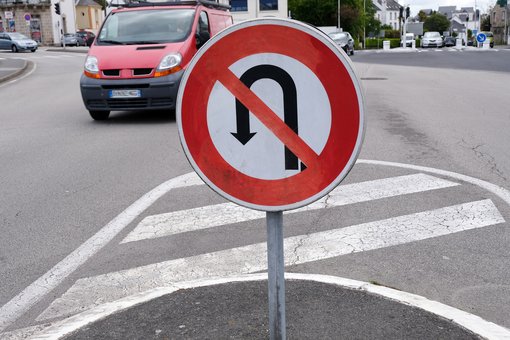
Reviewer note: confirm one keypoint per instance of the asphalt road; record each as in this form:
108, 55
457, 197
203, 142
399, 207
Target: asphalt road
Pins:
64, 177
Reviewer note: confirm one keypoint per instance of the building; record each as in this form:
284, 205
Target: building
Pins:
89, 15
388, 12
38, 18
14, 15
249, 9
499, 22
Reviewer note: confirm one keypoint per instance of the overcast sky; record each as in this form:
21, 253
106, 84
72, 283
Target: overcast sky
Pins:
416, 5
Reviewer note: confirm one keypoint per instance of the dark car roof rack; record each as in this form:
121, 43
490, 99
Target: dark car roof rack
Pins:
143, 3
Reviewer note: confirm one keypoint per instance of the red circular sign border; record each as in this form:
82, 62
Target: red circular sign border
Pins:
315, 51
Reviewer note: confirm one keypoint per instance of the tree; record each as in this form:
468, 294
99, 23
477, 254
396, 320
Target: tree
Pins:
501, 3
354, 15
315, 12
103, 4
485, 23
422, 16
436, 22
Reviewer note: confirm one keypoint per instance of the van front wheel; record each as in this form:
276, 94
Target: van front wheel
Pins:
99, 115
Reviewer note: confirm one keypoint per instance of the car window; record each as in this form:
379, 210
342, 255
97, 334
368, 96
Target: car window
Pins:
203, 22
431, 35
147, 26
18, 36
341, 35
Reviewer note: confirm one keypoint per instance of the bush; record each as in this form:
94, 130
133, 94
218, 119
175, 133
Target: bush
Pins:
392, 34
378, 43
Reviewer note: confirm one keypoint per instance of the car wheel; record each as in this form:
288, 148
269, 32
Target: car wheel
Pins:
352, 51
35, 49
14, 48
99, 115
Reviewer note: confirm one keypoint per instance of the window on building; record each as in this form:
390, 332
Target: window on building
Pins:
238, 5
268, 5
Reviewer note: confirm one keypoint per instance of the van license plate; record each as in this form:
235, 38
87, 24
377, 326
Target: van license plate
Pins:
125, 94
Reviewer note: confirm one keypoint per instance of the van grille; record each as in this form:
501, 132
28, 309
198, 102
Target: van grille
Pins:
125, 86
119, 104
111, 73
142, 71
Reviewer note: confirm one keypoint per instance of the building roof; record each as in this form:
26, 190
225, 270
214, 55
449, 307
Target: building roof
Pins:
467, 9
457, 27
463, 16
447, 9
392, 5
88, 3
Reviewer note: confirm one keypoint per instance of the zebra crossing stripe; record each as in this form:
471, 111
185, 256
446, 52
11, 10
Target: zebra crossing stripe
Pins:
221, 214
91, 291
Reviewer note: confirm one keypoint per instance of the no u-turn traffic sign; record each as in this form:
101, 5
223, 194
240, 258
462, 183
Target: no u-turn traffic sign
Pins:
270, 114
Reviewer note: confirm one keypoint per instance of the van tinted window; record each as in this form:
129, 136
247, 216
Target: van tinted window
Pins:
152, 26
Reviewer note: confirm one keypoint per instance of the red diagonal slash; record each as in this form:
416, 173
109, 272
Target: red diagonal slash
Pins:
270, 119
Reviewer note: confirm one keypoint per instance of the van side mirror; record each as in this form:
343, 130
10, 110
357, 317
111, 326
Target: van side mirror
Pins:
201, 38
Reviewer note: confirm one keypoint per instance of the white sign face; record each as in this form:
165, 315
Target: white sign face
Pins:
8, 15
263, 155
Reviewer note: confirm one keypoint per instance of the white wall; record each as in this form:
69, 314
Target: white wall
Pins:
67, 11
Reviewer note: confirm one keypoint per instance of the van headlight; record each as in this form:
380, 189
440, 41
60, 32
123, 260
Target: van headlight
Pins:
170, 63
91, 68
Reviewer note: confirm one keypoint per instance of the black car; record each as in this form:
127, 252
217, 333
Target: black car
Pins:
449, 41
87, 36
345, 40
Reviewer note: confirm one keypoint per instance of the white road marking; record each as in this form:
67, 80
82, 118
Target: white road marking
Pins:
46, 283
215, 215
36, 291
469, 321
501, 192
89, 292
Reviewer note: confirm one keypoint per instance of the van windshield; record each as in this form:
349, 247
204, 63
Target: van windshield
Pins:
154, 26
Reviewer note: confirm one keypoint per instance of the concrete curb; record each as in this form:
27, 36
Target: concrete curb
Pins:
68, 49
16, 73
473, 323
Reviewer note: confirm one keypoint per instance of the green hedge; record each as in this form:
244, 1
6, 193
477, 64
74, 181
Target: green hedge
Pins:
378, 43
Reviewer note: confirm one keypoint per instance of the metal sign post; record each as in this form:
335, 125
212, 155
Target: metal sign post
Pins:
276, 275
271, 158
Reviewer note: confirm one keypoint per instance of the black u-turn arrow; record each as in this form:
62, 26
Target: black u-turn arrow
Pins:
279, 75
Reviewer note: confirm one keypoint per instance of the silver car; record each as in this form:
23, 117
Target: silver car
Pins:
72, 39
432, 39
345, 40
16, 42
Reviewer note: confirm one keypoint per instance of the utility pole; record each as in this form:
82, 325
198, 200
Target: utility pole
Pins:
364, 24
339, 26
506, 24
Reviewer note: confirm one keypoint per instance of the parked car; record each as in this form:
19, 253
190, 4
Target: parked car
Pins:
87, 36
432, 39
140, 53
72, 39
409, 39
16, 42
449, 41
344, 40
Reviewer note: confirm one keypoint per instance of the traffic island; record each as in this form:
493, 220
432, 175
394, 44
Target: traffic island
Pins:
318, 307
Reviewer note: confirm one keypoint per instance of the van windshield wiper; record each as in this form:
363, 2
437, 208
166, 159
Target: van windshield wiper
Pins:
113, 42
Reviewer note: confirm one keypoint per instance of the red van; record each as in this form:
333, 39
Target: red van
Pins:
137, 60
